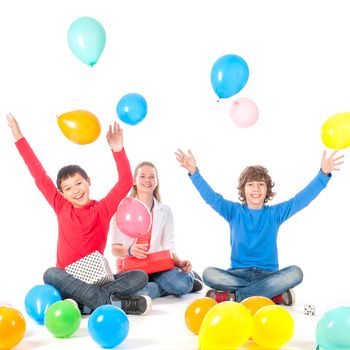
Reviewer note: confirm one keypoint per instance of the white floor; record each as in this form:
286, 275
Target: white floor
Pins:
164, 328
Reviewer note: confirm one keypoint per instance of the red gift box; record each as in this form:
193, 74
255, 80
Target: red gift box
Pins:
155, 262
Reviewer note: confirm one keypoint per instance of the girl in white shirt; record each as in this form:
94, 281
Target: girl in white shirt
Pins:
177, 281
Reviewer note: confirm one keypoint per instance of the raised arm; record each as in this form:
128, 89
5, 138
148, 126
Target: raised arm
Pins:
331, 163
13, 124
187, 161
115, 137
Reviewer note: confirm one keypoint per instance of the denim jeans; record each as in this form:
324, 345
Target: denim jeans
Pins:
253, 281
170, 282
90, 295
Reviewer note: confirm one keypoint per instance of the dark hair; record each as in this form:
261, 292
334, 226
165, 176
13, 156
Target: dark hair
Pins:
255, 173
69, 171
156, 193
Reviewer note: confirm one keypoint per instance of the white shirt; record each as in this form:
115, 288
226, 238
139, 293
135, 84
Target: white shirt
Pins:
162, 236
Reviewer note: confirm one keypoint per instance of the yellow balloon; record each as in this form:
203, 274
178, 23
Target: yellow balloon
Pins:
336, 131
273, 326
227, 325
79, 126
196, 312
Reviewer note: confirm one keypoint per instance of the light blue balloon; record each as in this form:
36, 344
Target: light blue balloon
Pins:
39, 299
87, 39
229, 75
333, 330
108, 326
132, 108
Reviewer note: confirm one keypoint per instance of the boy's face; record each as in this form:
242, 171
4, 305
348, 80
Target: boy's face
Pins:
255, 193
76, 190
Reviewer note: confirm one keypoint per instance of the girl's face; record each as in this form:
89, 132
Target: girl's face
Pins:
255, 193
76, 190
146, 179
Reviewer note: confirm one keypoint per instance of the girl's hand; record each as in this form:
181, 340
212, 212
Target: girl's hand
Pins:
139, 251
185, 265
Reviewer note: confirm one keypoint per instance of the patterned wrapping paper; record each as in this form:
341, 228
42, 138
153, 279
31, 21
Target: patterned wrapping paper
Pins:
92, 269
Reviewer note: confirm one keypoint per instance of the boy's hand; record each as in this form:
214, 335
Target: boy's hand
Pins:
12, 123
115, 137
186, 161
331, 163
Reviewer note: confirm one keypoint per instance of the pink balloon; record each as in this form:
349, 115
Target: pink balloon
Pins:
244, 112
133, 217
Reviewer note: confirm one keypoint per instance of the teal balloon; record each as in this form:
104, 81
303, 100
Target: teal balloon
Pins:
62, 319
132, 108
229, 75
87, 39
333, 330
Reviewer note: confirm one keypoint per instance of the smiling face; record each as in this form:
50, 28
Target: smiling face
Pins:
76, 189
255, 194
146, 179
255, 186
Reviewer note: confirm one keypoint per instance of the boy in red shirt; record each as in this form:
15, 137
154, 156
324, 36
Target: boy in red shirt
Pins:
83, 226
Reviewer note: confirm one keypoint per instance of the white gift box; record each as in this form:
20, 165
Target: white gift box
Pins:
92, 269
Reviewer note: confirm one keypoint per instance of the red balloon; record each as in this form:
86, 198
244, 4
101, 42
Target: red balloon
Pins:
133, 217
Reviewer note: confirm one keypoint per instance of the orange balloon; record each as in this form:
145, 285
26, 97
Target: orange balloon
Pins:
79, 126
254, 303
196, 311
12, 327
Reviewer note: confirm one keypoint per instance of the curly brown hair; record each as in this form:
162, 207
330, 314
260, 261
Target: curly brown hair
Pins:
255, 173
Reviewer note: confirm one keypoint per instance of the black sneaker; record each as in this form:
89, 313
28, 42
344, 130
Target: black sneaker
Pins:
288, 297
137, 305
197, 283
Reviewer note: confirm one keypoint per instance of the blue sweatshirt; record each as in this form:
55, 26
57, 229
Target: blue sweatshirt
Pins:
253, 232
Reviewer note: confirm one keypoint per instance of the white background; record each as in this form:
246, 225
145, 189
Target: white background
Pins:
299, 60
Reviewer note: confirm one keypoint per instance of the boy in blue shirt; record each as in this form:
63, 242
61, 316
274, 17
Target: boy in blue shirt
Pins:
254, 227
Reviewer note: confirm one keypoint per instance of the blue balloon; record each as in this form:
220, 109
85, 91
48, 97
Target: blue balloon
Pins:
229, 75
333, 329
38, 300
87, 39
108, 326
132, 108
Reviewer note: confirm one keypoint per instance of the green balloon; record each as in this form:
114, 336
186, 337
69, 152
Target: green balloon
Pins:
62, 319
87, 39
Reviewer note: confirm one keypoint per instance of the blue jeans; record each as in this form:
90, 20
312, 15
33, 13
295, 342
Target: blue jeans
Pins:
170, 282
253, 281
90, 295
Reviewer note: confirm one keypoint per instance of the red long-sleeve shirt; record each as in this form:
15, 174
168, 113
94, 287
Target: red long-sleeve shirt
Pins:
80, 230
